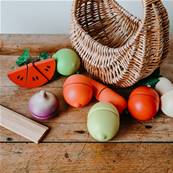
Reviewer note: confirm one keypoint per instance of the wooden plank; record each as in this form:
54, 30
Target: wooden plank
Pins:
70, 124
22, 125
15, 43
86, 158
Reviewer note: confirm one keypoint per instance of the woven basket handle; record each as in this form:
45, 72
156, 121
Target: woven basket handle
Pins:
147, 5
146, 18
145, 21
149, 2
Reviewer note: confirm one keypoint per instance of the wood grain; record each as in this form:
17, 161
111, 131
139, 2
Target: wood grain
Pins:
22, 125
14, 44
86, 158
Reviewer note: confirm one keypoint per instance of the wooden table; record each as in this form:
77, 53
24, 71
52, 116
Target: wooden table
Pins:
138, 147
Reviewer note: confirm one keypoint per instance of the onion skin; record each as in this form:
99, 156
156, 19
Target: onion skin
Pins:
43, 105
44, 117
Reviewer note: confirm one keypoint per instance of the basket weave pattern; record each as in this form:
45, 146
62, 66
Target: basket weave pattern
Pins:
115, 46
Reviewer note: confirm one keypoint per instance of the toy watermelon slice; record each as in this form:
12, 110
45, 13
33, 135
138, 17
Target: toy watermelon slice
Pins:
34, 77
19, 76
34, 74
46, 68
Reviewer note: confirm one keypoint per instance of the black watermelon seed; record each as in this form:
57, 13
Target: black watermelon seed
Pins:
148, 126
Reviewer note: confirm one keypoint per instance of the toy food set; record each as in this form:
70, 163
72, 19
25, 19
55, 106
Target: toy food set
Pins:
37, 73
118, 52
43, 105
103, 118
79, 89
103, 121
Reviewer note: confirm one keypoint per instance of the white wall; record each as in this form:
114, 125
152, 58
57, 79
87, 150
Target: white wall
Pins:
51, 17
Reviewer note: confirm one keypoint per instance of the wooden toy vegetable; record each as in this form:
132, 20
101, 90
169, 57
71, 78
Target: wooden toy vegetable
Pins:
105, 94
79, 89
43, 105
68, 62
165, 88
103, 121
33, 74
143, 103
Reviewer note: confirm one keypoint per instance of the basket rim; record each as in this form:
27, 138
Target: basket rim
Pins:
129, 42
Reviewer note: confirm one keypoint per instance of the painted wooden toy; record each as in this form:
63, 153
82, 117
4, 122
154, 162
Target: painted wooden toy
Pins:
79, 89
165, 89
68, 62
103, 121
43, 105
143, 103
33, 74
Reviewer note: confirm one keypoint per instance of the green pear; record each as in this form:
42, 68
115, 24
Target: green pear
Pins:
103, 121
68, 62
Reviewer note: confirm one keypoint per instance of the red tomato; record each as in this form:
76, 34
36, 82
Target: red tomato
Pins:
143, 103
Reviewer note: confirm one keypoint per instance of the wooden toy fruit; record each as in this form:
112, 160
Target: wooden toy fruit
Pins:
79, 89
19, 76
43, 105
33, 74
68, 62
46, 67
165, 88
143, 103
34, 77
103, 121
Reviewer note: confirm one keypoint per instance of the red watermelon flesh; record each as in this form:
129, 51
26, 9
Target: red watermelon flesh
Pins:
47, 68
34, 77
19, 76
33, 74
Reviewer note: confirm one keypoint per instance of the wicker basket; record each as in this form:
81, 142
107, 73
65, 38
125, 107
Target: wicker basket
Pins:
115, 46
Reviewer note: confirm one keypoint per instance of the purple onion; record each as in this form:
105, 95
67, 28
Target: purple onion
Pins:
43, 105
